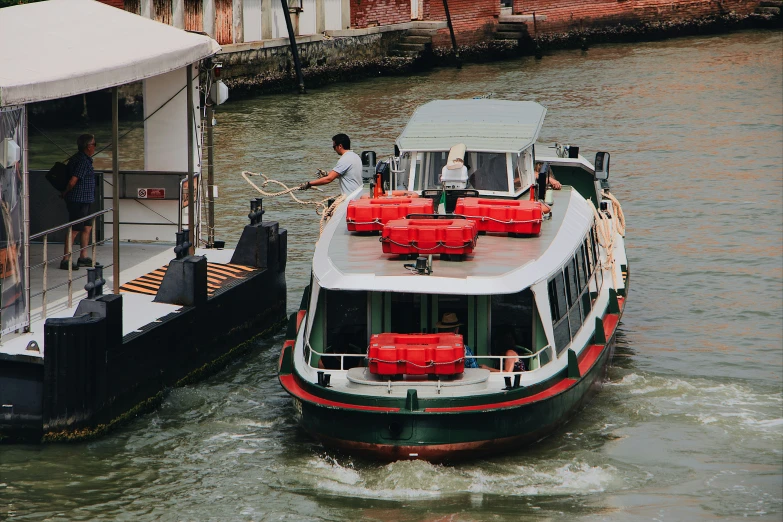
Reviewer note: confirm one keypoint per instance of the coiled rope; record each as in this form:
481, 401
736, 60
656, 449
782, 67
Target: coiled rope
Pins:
605, 226
322, 207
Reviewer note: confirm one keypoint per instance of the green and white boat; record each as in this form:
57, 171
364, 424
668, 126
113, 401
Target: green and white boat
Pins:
558, 288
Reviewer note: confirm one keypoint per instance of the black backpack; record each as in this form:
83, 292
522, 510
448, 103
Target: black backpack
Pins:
59, 176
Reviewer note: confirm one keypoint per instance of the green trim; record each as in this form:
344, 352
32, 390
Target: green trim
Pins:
286, 361
578, 178
573, 365
412, 400
482, 324
387, 308
614, 305
377, 312
599, 335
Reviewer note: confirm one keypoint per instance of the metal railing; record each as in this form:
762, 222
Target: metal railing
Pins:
69, 254
533, 364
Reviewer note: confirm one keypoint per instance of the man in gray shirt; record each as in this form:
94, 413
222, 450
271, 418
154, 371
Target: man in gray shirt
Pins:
348, 169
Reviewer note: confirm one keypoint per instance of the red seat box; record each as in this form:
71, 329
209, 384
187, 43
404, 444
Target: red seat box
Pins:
416, 354
512, 216
369, 215
429, 236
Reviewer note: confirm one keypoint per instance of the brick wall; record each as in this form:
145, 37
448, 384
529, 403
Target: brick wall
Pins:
473, 20
370, 13
564, 15
114, 3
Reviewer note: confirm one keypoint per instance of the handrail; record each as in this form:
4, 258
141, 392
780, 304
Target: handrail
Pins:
70, 224
502, 358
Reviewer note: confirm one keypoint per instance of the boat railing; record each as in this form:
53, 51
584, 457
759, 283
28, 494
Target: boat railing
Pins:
535, 360
44, 236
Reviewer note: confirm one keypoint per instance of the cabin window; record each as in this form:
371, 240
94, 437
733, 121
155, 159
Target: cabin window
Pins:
346, 327
588, 255
519, 169
581, 268
405, 168
557, 295
574, 310
487, 171
406, 314
512, 321
433, 165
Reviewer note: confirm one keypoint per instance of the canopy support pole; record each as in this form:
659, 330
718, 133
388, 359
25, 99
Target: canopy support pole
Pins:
210, 180
26, 217
189, 107
115, 191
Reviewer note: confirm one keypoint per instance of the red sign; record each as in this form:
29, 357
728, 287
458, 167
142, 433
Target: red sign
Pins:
151, 193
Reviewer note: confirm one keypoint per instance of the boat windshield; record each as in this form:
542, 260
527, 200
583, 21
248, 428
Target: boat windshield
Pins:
486, 170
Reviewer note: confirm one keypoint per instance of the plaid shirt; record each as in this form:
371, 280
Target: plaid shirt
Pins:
80, 166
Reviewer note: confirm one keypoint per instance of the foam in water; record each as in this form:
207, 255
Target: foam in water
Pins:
732, 406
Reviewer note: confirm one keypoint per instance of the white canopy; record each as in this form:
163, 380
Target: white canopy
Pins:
61, 48
483, 125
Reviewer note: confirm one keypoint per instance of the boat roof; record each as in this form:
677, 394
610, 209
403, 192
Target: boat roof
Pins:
499, 264
483, 125
62, 48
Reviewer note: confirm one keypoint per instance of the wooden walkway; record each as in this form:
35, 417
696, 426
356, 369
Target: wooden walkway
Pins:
218, 275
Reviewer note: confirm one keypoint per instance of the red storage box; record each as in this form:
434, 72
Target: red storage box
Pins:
429, 236
416, 354
502, 215
369, 215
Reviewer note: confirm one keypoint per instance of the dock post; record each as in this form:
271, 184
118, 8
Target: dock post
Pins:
210, 180
292, 41
115, 196
189, 103
451, 32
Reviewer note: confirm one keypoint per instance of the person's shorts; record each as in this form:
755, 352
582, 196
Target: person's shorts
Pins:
78, 211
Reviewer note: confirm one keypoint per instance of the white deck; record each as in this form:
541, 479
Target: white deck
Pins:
138, 309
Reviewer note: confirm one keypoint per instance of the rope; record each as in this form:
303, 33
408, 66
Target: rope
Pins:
617, 213
509, 222
413, 244
322, 208
605, 226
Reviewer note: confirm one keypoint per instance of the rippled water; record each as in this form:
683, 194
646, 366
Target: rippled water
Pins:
690, 423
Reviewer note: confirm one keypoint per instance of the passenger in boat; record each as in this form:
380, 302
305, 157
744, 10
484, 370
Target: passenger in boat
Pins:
449, 323
348, 169
544, 168
79, 195
511, 351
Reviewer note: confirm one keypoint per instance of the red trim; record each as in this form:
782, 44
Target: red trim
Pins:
299, 317
549, 392
286, 345
610, 324
292, 387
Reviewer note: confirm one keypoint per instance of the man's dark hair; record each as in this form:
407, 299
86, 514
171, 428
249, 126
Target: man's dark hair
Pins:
83, 140
342, 139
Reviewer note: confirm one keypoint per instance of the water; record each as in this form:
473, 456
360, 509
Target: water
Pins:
690, 423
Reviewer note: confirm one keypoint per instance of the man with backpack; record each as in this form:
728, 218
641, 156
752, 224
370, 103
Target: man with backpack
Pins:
79, 194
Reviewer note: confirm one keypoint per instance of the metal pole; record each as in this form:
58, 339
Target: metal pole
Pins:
451, 31
69, 241
45, 276
94, 245
26, 217
189, 103
115, 178
210, 181
292, 41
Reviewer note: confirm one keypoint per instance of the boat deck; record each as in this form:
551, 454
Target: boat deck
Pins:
498, 254
137, 261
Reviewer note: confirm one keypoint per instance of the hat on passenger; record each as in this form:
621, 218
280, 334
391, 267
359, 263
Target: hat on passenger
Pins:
456, 157
449, 320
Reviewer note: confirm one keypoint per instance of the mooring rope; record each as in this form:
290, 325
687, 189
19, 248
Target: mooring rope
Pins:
322, 207
605, 226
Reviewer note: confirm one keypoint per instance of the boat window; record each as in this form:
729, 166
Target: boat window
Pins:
571, 290
488, 171
587, 303
406, 313
580, 266
588, 253
405, 168
346, 326
433, 165
519, 169
560, 324
512, 321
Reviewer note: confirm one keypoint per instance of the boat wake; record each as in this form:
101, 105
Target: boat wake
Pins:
730, 406
421, 480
